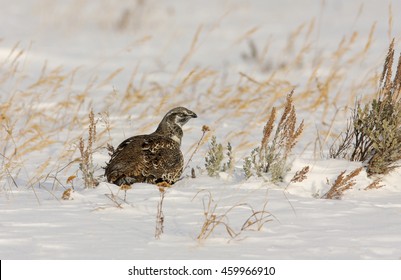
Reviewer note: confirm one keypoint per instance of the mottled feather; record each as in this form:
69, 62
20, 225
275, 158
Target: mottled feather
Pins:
152, 158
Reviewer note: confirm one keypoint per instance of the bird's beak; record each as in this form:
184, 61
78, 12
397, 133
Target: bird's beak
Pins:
192, 114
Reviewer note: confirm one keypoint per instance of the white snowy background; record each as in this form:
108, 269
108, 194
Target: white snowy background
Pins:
230, 62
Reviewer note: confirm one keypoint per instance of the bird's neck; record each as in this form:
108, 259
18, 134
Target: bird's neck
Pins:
170, 130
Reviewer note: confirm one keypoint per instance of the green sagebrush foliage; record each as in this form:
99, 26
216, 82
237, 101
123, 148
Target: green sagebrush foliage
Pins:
373, 135
215, 156
271, 157
378, 136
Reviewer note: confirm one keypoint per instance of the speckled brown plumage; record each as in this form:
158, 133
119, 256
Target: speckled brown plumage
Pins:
152, 158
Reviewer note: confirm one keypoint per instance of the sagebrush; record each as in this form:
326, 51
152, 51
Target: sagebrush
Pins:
373, 134
271, 157
215, 156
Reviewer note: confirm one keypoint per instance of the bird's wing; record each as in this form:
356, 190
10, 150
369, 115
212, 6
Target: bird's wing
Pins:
146, 158
162, 157
122, 146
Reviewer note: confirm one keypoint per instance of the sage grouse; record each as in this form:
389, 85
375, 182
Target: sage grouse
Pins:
153, 158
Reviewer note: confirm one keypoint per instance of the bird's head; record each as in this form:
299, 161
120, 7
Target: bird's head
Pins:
172, 123
179, 116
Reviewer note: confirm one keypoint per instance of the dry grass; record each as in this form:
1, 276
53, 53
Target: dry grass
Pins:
376, 184
257, 219
27, 129
300, 175
205, 130
36, 111
160, 214
213, 219
30, 127
24, 138
86, 165
67, 194
342, 183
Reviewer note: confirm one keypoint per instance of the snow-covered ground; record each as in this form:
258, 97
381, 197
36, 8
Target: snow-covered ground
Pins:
230, 62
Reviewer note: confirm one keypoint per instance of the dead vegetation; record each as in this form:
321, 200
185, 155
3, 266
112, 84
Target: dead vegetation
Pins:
23, 138
213, 218
40, 133
342, 183
86, 164
160, 214
278, 140
372, 135
300, 175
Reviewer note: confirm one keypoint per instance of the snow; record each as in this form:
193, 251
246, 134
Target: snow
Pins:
90, 62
